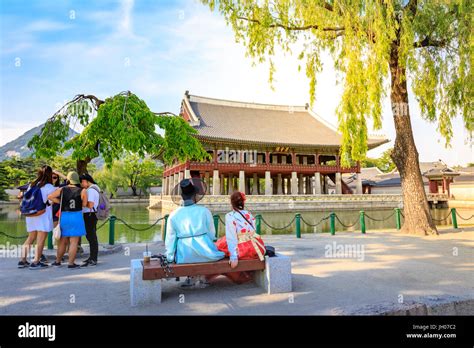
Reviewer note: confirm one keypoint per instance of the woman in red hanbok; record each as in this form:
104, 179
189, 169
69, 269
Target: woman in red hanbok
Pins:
241, 242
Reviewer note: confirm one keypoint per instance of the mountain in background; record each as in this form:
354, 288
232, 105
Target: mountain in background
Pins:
18, 147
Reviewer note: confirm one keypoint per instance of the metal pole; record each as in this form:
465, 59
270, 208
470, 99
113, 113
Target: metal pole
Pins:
258, 223
165, 226
453, 217
333, 223
112, 230
298, 225
216, 225
397, 218
362, 221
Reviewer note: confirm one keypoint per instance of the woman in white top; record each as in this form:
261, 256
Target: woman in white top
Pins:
39, 226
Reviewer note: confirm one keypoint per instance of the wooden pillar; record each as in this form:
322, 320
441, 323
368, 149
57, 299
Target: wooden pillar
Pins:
230, 184
309, 185
223, 187
242, 181
358, 184
187, 174
170, 184
268, 184
338, 183
294, 183
300, 184
216, 185
207, 180
255, 184
279, 184
317, 183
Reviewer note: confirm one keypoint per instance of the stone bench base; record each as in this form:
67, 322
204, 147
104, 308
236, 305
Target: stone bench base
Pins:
276, 278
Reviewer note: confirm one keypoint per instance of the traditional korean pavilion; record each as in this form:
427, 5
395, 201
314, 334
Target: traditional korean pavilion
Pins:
263, 149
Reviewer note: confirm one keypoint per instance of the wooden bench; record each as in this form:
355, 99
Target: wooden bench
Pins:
153, 270
273, 275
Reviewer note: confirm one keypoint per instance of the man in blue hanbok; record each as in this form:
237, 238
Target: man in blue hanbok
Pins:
190, 231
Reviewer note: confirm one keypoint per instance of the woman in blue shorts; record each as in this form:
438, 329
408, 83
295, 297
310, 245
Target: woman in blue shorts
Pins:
72, 198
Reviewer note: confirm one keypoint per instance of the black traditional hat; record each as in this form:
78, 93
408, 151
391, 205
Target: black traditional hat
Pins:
189, 190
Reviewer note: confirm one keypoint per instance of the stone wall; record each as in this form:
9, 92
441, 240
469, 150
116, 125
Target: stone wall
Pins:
290, 203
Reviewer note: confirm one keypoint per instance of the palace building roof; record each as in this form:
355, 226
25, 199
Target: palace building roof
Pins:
223, 120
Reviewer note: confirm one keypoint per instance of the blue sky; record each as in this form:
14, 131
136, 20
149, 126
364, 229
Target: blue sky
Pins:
52, 50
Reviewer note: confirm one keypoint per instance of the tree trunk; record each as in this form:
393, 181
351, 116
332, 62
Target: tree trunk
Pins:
81, 166
134, 190
417, 217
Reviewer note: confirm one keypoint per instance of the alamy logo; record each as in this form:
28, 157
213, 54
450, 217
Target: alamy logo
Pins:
345, 251
37, 331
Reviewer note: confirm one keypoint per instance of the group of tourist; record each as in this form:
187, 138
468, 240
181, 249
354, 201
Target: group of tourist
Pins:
190, 233
71, 203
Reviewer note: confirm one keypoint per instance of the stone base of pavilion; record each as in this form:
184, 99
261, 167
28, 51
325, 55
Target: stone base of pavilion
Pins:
289, 203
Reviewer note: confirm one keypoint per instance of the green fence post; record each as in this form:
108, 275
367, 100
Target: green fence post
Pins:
258, 223
165, 226
298, 225
397, 218
362, 221
333, 223
216, 225
453, 217
112, 230
50, 240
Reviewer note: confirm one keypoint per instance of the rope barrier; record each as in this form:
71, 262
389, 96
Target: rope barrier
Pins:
374, 219
264, 221
139, 229
316, 224
278, 228
13, 237
102, 225
462, 218
439, 220
346, 226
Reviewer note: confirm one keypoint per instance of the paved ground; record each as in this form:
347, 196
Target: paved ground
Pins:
391, 265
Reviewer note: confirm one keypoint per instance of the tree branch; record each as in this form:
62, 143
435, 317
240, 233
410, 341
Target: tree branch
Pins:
412, 6
291, 28
427, 41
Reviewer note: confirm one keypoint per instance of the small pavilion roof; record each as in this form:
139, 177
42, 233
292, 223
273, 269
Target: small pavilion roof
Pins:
221, 120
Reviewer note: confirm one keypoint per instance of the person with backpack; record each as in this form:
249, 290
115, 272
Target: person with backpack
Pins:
91, 212
71, 199
39, 216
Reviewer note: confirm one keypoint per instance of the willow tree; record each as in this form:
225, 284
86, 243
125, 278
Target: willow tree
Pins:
112, 128
376, 45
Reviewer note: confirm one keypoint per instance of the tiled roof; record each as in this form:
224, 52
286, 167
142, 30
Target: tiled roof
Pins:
271, 124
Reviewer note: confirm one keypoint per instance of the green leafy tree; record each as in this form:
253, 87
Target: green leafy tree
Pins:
20, 171
384, 162
111, 178
3, 182
376, 46
141, 173
122, 123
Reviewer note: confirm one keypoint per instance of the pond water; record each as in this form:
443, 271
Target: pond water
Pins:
140, 217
